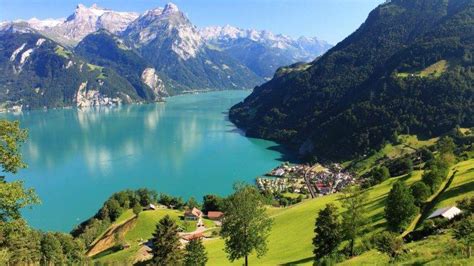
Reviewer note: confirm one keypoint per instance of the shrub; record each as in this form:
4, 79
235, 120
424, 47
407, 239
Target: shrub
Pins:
388, 243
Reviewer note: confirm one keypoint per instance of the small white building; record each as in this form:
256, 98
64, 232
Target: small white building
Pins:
448, 213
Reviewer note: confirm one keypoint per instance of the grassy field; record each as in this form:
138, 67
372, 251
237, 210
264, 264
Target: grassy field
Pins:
434, 250
408, 144
290, 240
435, 71
462, 186
143, 230
59, 50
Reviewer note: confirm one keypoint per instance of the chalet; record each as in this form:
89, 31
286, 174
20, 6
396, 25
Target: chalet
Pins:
193, 214
215, 215
448, 213
150, 207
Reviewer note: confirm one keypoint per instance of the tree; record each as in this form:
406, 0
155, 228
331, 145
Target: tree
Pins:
420, 192
353, 219
11, 138
166, 245
73, 249
195, 253
400, 207
13, 196
192, 203
464, 231
212, 203
328, 232
380, 174
246, 224
388, 243
446, 145
137, 209
51, 250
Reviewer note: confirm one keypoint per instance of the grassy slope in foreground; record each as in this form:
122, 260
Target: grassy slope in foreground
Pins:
143, 230
433, 249
291, 237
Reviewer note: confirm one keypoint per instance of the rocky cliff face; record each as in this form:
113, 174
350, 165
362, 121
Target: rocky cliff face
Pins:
152, 80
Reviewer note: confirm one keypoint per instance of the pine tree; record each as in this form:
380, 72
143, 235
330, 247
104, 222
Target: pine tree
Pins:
400, 207
328, 232
166, 245
195, 253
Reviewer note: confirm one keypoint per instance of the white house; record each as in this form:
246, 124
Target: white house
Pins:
448, 213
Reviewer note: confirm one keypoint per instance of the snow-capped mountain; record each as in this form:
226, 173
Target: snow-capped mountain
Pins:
165, 23
83, 21
263, 51
163, 50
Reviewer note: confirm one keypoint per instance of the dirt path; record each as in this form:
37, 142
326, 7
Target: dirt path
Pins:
108, 239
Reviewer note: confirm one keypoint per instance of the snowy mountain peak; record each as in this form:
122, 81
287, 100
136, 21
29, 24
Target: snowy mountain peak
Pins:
170, 8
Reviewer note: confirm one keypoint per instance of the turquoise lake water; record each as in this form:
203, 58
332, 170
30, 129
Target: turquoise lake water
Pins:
185, 147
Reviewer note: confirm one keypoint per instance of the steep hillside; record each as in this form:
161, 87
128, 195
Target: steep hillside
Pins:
383, 80
37, 72
107, 50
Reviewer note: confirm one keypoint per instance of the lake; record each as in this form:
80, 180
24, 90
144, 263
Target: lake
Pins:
185, 147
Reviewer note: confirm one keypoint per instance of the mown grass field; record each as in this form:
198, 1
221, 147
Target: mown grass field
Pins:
143, 230
462, 185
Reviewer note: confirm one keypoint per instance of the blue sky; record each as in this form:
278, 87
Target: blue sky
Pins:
330, 20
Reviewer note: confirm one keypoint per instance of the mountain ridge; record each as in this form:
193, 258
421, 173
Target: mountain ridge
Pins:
367, 89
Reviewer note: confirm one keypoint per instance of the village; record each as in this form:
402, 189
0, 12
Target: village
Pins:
311, 181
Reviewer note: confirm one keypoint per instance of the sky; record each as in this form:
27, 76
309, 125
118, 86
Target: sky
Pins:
330, 20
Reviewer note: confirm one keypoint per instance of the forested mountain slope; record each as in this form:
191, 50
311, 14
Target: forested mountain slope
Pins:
407, 69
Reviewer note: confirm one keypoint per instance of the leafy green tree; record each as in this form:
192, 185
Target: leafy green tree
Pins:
51, 250
420, 192
328, 232
192, 203
137, 209
11, 139
195, 253
380, 174
115, 210
246, 224
446, 145
166, 245
13, 196
23, 243
464, 232
353, 219
73, 249
212, 203
400, 207
389, 243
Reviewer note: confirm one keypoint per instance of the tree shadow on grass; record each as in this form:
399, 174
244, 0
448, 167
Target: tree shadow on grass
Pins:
301, 261
106, 252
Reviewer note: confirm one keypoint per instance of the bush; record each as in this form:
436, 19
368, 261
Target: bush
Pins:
420, 192
388, 243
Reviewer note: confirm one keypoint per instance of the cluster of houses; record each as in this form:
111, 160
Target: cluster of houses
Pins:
327, 182
304, 179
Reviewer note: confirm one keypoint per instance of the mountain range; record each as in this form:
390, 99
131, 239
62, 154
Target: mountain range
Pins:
407, 70
133, 57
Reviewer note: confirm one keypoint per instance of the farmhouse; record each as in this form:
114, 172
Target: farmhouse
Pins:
214, 215
448, 213
193, 214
